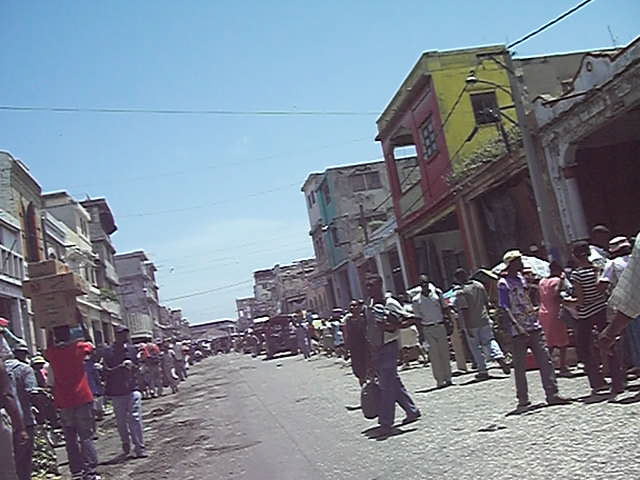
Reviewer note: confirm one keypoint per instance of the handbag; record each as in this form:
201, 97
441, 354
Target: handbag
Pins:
370, 399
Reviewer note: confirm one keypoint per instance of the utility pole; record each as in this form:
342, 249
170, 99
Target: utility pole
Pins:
543, 202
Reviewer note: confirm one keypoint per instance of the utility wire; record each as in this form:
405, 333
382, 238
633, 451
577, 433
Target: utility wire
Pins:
549, 24
207, 205
168, 111
205, 292
146, 177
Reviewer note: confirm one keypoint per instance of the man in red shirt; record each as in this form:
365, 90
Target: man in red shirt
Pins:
73, 397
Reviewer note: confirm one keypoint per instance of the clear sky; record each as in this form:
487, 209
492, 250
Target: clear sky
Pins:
210, 198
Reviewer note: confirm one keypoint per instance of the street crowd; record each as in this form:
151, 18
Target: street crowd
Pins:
499, 316
586, 313
67, 386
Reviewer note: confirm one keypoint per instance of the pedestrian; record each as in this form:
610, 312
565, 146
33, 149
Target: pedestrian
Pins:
120, 365
357, 341
458, 339
430, 310
25, 386
302, 335
39, 365
92, 367
599, 247
620, 255
624, 301
11, 423
167, 362
180, 363
382, 336
555, 329
73, 397
592, 313
153, 364
472, 301
525, 328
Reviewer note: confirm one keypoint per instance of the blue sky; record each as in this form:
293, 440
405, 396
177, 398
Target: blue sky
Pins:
213, 198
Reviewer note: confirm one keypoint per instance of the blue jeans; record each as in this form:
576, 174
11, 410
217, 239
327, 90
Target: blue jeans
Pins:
391, 388
483, 343
78, 426
128, 412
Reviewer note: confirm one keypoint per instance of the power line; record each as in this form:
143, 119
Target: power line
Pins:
206, 205
222, 249
205, 292
549, 24
174, 173
169, 111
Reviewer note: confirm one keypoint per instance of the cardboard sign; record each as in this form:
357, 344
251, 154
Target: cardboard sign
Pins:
55, 317
65, 282
46, 268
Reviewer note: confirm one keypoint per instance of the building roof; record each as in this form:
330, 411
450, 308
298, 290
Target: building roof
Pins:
140, 254
106, 215
348, 166
417, 73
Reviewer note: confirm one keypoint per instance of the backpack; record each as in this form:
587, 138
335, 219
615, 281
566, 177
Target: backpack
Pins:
374, 325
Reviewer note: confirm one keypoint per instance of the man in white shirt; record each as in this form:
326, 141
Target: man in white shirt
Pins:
429, 308
624, 300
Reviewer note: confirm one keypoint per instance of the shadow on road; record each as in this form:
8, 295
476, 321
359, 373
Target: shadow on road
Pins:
481, 380
376, 433
627, 400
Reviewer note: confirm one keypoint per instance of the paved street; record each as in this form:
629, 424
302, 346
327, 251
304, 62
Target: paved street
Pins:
243, 418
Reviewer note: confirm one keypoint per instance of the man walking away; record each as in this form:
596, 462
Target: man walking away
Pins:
121, 361
382, 335
72, 395
25, 385
473, 303
10, 420
526, 331
429, 308
357, 341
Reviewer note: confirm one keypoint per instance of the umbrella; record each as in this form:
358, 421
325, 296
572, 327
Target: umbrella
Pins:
538, 266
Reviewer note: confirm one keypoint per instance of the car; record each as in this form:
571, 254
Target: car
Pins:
280, 335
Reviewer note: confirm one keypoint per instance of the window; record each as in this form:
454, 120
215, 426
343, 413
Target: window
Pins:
429, 139
334, 236
325, 192
365, 181
309, 201
357, 183
313, 197
485, 107
373, 180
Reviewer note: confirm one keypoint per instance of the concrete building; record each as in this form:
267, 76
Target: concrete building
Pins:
345, 205
66, 225
21, 240
138, 292
281, 289
246, 310
292, 285
264, 292
467, 196
589, 139
101, 226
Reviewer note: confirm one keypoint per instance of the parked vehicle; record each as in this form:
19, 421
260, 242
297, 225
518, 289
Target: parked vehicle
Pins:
280, 335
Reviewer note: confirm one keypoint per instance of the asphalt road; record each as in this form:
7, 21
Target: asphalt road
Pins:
243, 418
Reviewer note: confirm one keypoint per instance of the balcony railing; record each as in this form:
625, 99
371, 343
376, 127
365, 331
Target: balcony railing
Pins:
11, 263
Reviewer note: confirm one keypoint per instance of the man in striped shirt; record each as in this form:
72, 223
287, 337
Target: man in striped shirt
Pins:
592, 312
